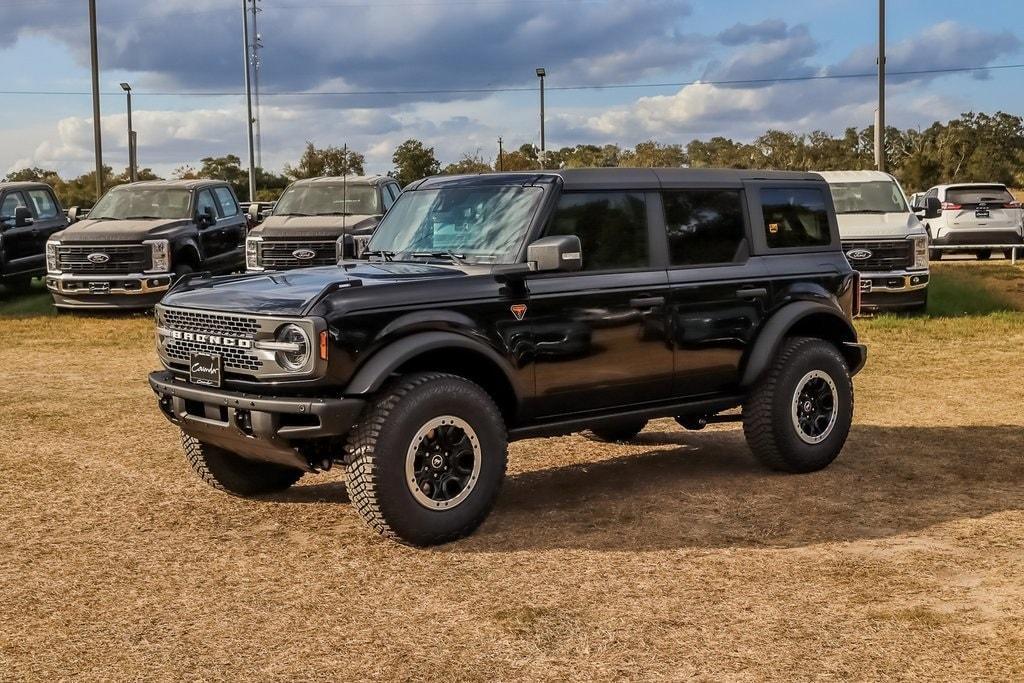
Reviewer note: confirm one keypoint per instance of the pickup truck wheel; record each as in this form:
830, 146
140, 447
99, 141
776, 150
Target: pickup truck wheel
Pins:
20, 284
619, 430
984, 254
225, 471
182, 270
934, 254
798, 415
425, 462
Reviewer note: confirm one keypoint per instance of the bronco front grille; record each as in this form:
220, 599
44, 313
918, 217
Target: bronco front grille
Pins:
120, 259
237, 326
886, 255
280, 255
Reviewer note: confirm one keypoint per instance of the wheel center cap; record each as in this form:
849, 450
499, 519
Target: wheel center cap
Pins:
808, 406
437, 462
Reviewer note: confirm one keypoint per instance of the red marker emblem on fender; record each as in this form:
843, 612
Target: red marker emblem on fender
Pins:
519, 311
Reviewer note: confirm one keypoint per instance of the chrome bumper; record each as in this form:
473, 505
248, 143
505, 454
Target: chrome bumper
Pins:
100, 284
896, 281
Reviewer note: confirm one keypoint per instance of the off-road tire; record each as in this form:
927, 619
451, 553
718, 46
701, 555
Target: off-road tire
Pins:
225, 471
767, 418
19, 285
616, 431
378, 447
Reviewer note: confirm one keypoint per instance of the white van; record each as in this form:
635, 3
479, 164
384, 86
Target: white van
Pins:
882, 239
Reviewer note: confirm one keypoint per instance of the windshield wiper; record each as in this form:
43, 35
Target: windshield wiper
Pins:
456, 258
386, 255
142, 218
292, 213
334, 213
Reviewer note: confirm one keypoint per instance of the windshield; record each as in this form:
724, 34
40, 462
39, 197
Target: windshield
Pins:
328, 200
877, 196
127, 202
481, 224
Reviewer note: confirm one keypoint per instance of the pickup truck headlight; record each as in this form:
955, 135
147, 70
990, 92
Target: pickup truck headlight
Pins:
52, 262
295, 348
920, 252
252, 253
161, 253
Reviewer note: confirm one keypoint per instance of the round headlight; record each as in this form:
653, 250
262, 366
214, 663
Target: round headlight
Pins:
296, 360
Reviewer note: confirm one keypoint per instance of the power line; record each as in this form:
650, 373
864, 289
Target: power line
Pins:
474, 91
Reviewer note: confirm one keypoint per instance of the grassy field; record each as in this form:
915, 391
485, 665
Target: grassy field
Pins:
672, 557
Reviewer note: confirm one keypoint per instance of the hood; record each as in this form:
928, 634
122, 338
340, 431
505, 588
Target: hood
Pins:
291, 292
875, 225
89, 231
328, 227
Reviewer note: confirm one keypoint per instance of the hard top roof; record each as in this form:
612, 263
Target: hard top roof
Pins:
351, 180
854, 176
23, 185
186, 184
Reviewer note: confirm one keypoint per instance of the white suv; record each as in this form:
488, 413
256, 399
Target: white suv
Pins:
975, 214
881, 238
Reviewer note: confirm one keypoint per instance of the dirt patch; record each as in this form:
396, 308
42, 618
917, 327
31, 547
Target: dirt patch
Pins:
671, 557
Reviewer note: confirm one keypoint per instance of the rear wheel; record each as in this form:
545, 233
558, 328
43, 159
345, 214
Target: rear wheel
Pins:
426, 461
234, 474
984, 254
618, 430
798, 416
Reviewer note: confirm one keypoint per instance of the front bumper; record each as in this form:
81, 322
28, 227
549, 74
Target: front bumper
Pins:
899, 289
255, 427
99, 291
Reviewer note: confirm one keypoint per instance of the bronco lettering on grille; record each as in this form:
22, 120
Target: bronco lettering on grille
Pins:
215, 339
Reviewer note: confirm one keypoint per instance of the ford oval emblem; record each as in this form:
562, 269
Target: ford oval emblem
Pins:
859, 254
303, 254
98, 258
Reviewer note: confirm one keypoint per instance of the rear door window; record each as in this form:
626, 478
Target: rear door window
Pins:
612, 227
704, 226
795, 217
386, 198
43, 203
228, 205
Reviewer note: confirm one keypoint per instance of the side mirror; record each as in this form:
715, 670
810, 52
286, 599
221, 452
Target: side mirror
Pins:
206, 217
22, 217
559, 253
932, 207
73, 215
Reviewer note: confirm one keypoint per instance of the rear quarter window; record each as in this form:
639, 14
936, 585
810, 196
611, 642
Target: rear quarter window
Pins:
795, 217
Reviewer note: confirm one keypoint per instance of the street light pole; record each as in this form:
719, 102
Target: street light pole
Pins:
880, 122
248, 102
541, 73
501, 154
133, 171
96, 133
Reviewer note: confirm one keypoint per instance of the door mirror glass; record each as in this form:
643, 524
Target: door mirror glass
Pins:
22, 217
558, 253
73, 214
932, 207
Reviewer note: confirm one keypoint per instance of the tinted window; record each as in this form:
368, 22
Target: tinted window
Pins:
612, 227
206, 200
43, 203
395, 190
385, 195
11, 202
875, 196
127, 202
704, 226
228, 205
992, 194
795, 217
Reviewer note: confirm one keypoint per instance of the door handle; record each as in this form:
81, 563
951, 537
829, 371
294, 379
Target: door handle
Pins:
752, 293
647, 302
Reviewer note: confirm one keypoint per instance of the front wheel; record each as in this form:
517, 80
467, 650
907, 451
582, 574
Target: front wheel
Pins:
20, 284
225, 471
984, 254
426, 461
799, 414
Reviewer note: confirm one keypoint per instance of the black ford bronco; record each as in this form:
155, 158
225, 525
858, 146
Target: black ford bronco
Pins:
139, 238
508, 306
29, 214
320, 221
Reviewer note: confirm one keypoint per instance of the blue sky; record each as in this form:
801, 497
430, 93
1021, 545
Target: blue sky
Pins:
173, 46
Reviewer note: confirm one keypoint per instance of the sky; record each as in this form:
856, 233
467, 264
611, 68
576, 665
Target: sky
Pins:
373, 73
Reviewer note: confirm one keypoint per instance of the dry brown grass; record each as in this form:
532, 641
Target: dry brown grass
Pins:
670, 558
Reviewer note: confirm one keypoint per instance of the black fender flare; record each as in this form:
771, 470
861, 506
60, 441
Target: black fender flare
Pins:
785, 319
375, 371
186, 246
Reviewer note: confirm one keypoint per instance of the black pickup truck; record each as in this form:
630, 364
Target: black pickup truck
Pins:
29, 214
141, 237
507, 306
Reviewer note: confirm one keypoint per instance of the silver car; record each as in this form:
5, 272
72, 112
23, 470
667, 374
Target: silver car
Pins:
980, 215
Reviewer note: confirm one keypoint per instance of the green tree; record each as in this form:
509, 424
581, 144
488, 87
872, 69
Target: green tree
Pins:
413, 161
326, 161
468, 164
651, 154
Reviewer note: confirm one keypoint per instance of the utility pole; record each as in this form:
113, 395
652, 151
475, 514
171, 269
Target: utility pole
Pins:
248, 101
501, 155
257, 45
541, 73
96, 132
880, 118
133, 172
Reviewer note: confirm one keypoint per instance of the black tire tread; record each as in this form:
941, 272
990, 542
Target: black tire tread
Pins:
757, 409
259, 477
361, 472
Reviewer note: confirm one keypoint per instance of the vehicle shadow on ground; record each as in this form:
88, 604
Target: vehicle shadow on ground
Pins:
708, 492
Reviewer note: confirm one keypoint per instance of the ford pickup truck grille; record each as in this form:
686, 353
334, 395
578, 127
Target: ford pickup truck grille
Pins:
105, 258
297, 254
879, 256
235, 326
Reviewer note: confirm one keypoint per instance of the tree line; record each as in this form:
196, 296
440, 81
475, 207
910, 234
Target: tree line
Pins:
974, 147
